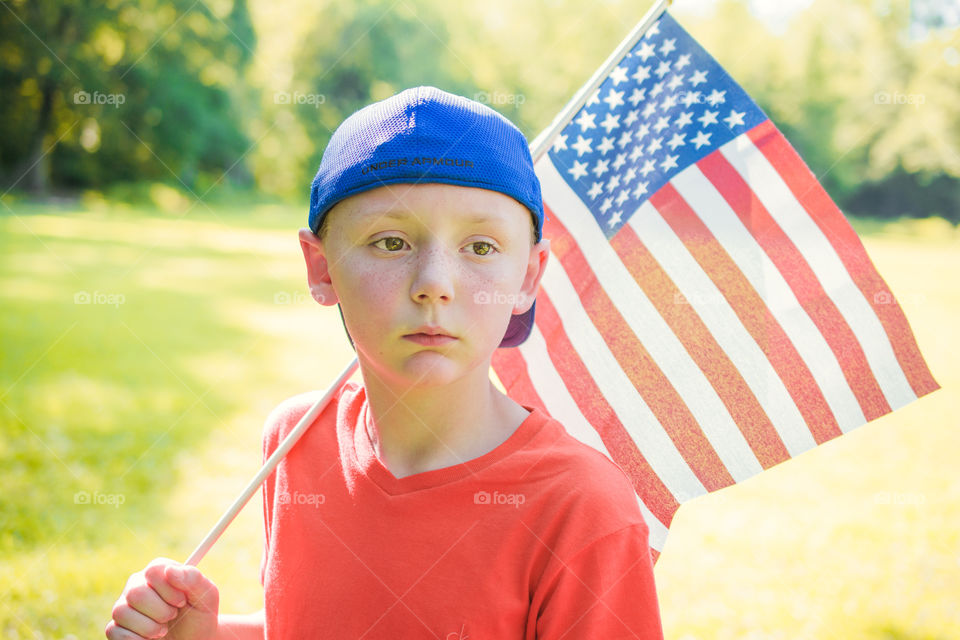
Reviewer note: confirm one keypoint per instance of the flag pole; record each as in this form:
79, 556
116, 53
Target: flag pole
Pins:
269, 465
543, 141
537, 148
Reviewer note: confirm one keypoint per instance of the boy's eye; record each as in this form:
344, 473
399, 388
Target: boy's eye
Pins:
391, 243
481, 248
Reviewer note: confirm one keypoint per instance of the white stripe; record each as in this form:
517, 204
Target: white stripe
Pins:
794, 220
770, 285
650, 328
630, 409
721, 321
556, 397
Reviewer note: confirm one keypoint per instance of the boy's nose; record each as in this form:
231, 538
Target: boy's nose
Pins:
432, 279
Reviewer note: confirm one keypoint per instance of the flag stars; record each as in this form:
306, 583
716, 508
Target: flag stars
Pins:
631, 117
578, 170
610, 122
607, 203
716, 97
582, 145
618, 75
708, 118
594, 98
702, 138
662, 123
642, 73
637, 95
622, 197
640, 189
655, 145
676, 141
657, 90
669, 102
601, 167
613, 182
670, 162
629, 175
586, 121
735, 118
675, 81
560, 143
668, 46
649, 109
625, 138
698, 78
595, 189
683, 119
619, 161
662, 69
690, 98
648, 168
615, 218
614, 99
605, 145
681, 62
646, 50
636, 153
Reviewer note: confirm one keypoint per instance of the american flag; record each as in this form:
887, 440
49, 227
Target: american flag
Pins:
707, 312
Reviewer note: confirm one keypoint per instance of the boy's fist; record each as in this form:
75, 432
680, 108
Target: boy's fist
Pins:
167, 599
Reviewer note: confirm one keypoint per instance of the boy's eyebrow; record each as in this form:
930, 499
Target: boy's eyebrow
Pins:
399, 215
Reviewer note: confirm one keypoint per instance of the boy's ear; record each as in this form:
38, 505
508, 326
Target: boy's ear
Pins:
539, 254
318, 274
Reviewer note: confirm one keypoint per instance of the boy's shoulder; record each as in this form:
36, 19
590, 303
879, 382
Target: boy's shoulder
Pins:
284, 417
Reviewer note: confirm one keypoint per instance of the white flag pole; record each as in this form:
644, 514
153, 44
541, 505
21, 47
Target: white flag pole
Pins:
543, 141
269, 465
537, 148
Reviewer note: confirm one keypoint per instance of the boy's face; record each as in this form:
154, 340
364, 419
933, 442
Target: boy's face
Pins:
401, 257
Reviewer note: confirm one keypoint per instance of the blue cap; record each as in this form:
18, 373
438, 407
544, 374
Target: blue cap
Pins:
424, 135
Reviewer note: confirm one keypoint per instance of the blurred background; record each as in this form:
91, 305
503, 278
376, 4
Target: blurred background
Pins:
155, 161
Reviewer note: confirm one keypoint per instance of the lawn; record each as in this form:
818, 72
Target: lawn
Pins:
142, 349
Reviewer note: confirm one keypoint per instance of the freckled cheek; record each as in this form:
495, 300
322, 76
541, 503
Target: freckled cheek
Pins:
372, 295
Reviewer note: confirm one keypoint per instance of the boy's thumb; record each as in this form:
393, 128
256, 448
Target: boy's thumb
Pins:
201, 593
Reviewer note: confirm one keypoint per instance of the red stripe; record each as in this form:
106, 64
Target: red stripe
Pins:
807, 190
703, 348
751, 310
671, 412
802, 281
511, 368
585, 392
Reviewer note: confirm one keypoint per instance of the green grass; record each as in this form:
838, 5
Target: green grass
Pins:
155, 395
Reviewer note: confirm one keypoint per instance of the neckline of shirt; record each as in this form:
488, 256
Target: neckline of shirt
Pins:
371, 466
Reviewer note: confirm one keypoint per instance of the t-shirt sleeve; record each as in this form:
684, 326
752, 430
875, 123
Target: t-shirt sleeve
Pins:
606, 590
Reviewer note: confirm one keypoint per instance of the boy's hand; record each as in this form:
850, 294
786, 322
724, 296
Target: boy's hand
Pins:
167, 599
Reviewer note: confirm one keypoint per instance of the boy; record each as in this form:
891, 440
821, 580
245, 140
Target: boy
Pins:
425, 503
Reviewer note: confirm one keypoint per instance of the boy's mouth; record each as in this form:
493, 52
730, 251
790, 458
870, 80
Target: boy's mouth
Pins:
430, 336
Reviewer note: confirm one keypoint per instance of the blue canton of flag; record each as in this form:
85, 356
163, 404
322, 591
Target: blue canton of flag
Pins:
664, 107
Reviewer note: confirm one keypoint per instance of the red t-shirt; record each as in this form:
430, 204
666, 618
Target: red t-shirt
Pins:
542, 537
